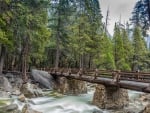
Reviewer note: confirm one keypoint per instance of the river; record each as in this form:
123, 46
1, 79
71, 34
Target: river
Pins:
57, 103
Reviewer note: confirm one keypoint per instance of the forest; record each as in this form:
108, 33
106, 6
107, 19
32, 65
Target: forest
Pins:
71, 34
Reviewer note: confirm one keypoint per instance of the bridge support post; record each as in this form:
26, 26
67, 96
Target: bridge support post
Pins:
110, 97
71, 86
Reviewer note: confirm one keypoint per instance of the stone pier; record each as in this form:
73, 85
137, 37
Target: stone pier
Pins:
109, 97
70, 86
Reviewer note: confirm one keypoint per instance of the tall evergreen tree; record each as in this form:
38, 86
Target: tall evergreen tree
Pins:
139, 51
118, 49
141, 15
104, 58
128, 48
60, 11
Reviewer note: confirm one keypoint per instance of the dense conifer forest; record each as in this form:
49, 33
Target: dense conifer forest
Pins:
70, 34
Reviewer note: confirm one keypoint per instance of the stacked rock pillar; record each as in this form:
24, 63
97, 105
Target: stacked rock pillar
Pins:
110, 97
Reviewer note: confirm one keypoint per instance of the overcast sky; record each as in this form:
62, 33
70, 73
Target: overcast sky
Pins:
117, 8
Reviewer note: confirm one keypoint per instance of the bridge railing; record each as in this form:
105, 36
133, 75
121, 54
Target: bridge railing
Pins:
96, 73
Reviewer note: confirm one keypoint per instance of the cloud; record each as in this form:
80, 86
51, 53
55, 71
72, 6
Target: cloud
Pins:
117, 8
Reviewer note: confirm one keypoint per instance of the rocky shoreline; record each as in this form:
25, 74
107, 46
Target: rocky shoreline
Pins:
12, 85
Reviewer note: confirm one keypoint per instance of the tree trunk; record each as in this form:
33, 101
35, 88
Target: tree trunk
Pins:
24, 67
2, 57
81, 61
58, 40
57, 55
13, 62
89, 61
24, 58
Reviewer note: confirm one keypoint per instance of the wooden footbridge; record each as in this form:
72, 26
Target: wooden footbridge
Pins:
133, 80
138, 81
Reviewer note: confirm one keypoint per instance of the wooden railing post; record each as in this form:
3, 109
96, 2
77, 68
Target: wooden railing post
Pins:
96, 73
114, 75
69, 71
80, 72
62, 71
137, 75
118, 76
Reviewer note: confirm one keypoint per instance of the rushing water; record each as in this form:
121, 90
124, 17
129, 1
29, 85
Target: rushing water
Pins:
65, 104
57, 103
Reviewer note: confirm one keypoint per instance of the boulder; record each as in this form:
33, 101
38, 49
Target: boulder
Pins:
110, 97
10, 77
22, 98
18, 82
4, 94
15, 80
31, 90
16, 92
146, 109
27, 109
43, 78
12, 108
5, 84
145, 97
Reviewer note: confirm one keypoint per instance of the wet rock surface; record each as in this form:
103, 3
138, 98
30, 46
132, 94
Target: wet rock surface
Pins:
12, 108
5, 84
110, 97
146, 109
27, 109
4, 94
22, 98
145, 97
43, 78
31, 90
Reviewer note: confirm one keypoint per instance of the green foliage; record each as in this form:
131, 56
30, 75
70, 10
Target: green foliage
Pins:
104, 58
140, 51
128, 50
75, 27
122, 48
141, 15
118, 49
41, 30
23, 28
5, 17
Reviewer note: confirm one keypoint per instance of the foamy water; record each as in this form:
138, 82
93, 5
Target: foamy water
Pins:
65, 104
70, 104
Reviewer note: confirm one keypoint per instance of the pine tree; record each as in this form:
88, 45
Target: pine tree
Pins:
60, 12
128, 48
118, 49
104, 58
139, 51
141, 15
